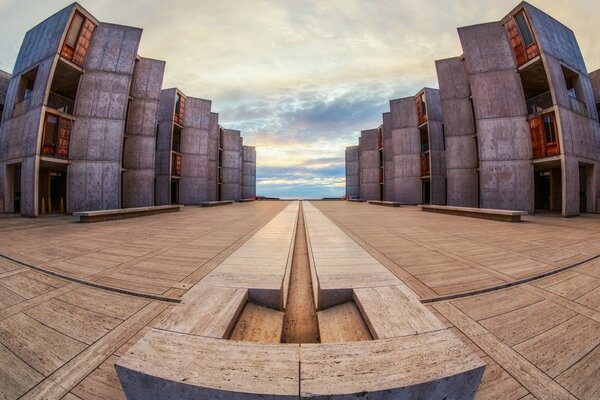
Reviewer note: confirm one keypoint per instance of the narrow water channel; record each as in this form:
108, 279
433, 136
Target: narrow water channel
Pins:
300, 322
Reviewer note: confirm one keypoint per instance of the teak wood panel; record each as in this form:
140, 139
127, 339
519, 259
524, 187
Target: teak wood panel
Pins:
522, 54
83, 42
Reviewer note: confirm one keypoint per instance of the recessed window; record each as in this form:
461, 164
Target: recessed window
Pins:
26, 84
549, 128
74, 30
177, 104
524, 29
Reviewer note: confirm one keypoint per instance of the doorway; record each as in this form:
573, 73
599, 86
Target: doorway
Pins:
17, 189
174, 192
426, 191
547, 188
52, 197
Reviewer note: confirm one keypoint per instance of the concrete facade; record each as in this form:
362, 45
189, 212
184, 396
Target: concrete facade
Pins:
140, 138
97, 138
230, 165
370, 166
4, 79
187, 150
459, 128
249, 172
352, 172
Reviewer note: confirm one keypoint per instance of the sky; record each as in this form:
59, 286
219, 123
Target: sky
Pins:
300, 79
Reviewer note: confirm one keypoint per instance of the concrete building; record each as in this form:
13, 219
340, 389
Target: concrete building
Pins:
186, 150
4, 79
370, 164
414, 151
249, 172
230, 165
65, 120
522, 92
404, 159
352, 173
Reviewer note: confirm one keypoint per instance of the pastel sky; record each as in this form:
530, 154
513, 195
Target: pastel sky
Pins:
300, 79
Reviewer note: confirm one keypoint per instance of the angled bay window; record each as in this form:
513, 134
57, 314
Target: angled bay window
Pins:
521, 38
77, 40
56, 137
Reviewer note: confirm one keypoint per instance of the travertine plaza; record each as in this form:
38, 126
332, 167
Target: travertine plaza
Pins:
287, 299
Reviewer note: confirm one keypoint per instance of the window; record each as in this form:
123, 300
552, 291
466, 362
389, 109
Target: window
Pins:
549, 128
50, 134
524, 29
26, 84
177, 104
74, 30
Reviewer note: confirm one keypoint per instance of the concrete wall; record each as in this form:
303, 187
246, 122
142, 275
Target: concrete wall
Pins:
506, 173
437, 151
231, 165
94, 176
4, 79
164, 139
193, 186
406, 149
138, 156
213, 158
459, 126
595, 81
389, 192
369, 164
249, 172
352, 172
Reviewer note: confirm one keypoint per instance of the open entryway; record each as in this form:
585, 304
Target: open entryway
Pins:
548, 187
52, 194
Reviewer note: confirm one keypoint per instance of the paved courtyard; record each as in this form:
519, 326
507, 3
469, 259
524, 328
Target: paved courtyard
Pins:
60, 338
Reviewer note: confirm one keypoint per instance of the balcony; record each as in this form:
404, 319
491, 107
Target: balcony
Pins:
21, 107
425, 164
61, 103
176, 164
539, 103
578, 106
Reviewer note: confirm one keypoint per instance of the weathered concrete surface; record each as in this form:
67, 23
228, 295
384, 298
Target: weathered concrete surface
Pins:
369, 165
389, 189
484, 213
231, 165
459, 126
437, 146
96, 147
4, 79
140, 142
506, 173
164, 143
406, 151
352, 172
195, 138
249, 172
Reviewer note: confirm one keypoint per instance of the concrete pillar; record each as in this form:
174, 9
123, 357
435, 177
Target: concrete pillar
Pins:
570, 186
555, 190
437, 152
213, 158
164, 141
